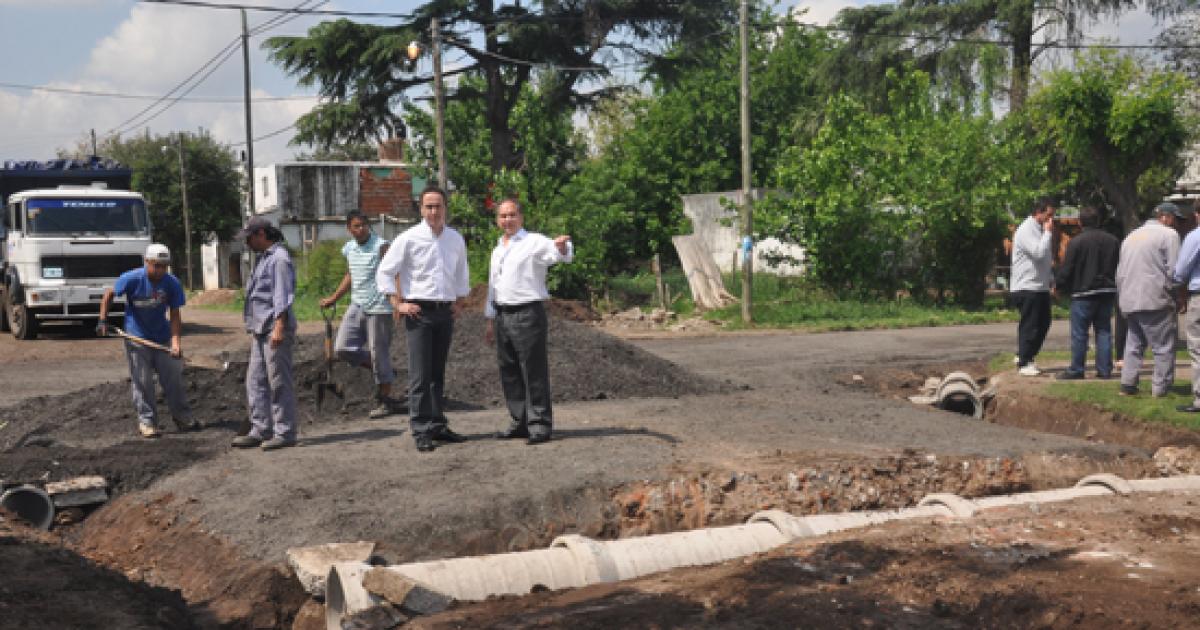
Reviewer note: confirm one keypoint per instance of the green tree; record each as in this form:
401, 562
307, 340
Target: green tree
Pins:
935, 36
348, 152
358, 67
213, 186
1118, 126
685, 138
915, 198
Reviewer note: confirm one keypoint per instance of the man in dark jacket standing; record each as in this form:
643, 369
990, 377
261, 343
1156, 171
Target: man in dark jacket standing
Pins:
1089, 273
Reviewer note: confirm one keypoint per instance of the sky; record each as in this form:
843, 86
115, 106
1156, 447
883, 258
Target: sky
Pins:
144, 50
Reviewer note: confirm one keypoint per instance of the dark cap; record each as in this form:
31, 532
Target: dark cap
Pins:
253, 225
1167, 207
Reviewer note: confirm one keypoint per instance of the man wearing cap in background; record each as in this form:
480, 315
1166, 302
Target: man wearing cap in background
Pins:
151, 294
270, 393
1148, 297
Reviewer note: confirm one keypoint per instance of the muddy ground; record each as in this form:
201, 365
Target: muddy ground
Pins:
1096, 563
771, 420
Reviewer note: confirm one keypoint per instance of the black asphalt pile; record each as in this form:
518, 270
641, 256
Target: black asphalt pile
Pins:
93, 431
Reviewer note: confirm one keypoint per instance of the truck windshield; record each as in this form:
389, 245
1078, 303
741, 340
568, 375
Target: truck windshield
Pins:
82, 216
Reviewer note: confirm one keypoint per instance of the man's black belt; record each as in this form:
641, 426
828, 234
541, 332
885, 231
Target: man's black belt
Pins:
513, 308
431, 305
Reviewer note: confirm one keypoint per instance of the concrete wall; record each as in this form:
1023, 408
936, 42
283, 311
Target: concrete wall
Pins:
708, 212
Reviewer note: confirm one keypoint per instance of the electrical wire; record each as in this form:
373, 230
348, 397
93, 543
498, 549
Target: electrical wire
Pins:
143, 117
148, 97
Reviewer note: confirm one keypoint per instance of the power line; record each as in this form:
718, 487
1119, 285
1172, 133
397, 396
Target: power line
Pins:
147, 97
265, 136
211, 65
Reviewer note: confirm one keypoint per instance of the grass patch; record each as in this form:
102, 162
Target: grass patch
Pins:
1143, 406
1004, 360
781, 302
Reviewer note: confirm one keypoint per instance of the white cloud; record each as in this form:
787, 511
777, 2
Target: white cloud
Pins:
150, 52
821, 12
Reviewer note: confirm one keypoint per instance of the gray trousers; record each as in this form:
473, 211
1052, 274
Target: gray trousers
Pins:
270, 393
524, 366
1158, 330
1191, 326
364, 337
428, 336
144, 363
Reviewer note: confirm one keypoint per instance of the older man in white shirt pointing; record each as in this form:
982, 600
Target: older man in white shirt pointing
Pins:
430, 261
517, 321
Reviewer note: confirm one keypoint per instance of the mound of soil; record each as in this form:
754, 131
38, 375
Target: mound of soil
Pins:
93, 431
46, 585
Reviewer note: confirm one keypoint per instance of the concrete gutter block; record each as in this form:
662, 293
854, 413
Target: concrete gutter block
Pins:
78, 491
312, 564
409, 594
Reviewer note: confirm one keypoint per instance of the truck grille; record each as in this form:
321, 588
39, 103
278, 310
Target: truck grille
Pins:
77, 267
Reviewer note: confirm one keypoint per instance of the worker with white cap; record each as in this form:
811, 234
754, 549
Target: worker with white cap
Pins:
153, 298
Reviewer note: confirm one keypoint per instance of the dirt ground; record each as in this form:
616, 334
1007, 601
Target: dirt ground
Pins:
662, 433
1095, 563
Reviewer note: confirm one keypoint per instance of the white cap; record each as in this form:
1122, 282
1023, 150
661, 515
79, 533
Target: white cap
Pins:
158, 252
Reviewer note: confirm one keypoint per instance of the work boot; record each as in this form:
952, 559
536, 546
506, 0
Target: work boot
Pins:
446, 435
278, 442
148, 431
384, 408
185, 424
424, 443
246, 441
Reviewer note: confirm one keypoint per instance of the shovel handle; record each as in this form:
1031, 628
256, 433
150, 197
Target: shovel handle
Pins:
141, 341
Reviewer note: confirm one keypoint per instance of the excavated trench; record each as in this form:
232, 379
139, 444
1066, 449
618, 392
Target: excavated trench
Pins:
158, 539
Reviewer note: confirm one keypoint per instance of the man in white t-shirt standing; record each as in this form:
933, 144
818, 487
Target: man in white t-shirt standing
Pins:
1029, 288
365, 335
517, 321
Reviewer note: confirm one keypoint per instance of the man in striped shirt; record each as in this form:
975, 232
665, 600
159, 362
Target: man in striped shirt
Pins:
365, 336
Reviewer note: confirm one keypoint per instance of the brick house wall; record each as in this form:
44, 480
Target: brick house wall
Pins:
386, 190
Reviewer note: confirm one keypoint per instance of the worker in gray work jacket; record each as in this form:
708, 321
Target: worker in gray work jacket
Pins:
270, 393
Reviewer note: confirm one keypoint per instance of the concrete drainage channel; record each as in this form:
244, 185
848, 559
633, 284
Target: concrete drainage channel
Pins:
575, 561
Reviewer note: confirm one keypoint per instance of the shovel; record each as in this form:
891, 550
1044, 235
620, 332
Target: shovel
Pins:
211, 363
327, 384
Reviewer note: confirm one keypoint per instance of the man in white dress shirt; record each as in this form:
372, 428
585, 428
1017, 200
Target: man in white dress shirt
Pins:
517, 321
430, 262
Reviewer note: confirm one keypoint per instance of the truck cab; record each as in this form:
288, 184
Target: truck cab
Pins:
65, 244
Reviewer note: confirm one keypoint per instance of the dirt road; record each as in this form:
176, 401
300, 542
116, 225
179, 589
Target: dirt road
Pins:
793, 405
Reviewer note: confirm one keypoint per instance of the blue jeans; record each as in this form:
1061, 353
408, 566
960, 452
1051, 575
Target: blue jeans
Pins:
1088, 312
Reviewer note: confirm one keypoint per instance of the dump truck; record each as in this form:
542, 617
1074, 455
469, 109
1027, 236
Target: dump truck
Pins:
69, 228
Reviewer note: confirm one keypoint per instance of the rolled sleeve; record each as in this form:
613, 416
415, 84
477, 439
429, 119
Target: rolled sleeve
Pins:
283, 292
385, 275
462, 275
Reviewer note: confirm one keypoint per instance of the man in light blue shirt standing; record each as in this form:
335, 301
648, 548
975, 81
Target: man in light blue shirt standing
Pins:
365, 335
270, 393
1187, 274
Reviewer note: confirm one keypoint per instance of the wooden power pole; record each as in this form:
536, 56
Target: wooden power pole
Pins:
747, 202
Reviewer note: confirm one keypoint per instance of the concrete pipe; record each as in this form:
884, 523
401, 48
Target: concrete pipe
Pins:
31, 504
959, 393
1186, 483
635, 557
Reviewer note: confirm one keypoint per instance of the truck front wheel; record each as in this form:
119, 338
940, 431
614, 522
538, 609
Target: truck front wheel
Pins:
21, 321
3, 316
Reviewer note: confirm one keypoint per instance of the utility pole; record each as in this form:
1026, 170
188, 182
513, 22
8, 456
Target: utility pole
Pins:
187, 224
249, 128
439, 104
747, 209
93, 142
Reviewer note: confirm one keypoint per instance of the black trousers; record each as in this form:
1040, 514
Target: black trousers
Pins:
524, 367
428, 336
1035, 322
